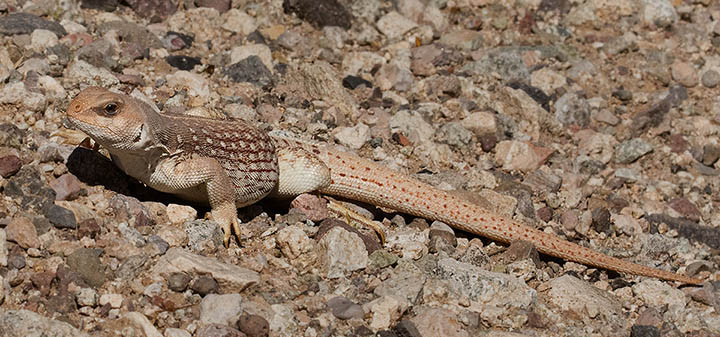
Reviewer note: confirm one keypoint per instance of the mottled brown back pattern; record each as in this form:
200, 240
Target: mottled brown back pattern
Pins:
246, 153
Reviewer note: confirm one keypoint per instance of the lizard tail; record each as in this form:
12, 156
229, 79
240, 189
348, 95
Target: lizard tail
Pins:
359, 179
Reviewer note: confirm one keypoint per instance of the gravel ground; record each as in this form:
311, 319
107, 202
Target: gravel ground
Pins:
596, 120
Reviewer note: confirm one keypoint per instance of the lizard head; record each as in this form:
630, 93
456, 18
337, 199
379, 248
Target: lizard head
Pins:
113, 120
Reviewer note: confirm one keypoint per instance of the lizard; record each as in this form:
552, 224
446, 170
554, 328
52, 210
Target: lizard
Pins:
231, 163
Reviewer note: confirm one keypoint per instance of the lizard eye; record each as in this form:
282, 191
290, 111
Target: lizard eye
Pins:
110, 108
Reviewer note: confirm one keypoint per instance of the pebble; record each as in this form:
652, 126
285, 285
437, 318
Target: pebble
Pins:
438, 322
173, 332
221, 6
221, 309
710, 79
22, 231
353, 137
581, 298
138, 321
67, 187
28, 323
155, 11
340, 252
183, 62
660, 13
238, 21
9, 165
522, 156
218, 330
684, 73
250, 69
631, 150
26, 23
86, 297
343, 308
253, 325
204, 285
86, 263
179, 214
320, 13
393, 25
464, 39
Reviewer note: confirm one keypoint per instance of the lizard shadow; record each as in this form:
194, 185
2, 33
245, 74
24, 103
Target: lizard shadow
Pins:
92, 168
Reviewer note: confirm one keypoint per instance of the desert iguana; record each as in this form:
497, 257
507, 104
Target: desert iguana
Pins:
230, 164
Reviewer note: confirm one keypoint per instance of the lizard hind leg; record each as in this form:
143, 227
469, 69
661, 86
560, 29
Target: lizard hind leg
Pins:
299, 172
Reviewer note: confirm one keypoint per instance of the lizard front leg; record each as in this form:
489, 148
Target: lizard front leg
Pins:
201, 179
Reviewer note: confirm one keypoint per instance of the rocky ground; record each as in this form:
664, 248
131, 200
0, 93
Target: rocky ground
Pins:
597, 120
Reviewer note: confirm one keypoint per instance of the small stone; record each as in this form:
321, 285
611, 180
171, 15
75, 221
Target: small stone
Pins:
644, 331
176, 41
631, 150
581, 298
28, 323
686, 208
41, 40
250, 70
178, 282
221, 6
86, 297
313, 207
435, 322
394, 25
25, 23
711, 154
352, 82
381, 258
572, 109
463, 39
220, 309
442, 238
341, 251
154, 10
22, 231
103, 5
183, 62
179, 214
67, 187
88, 228
601, 220
353, 137
253, 325
173, 332
343, 308
60, 217
523, 156
202, 234
140, 323
231, 278
710, 79
623, 95
392, 76
114, 300
218, 330
320, 13
204, 285
238, 21
9, 165
86, 263
660, 13
684, 73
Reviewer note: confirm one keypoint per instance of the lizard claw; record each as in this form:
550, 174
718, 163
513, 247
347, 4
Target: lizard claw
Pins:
226, 216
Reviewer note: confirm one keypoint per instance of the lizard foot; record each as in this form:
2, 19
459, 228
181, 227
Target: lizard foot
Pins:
226, 216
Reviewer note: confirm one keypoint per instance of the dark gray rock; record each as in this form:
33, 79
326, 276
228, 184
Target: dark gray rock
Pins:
250, 70
60, 217
86, 263
25, 23
320, 13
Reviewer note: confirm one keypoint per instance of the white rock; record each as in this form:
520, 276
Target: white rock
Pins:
52, 88
36, 64
230, 277
86, 297
115, 300
547, 80
657, 293
178, 214
172, 332
142, 323
481, 123
42, 39
73, 27
260, 50
283, 322
412, 243
355, 63
659, 12
221, 309
296, 246
15, 93
522, 156
238, 21
195, 84
353, 137
386, 310
28, 323
584, 300
83, 72
3, 248
491, 294
394, 25
439, 322
341, 251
